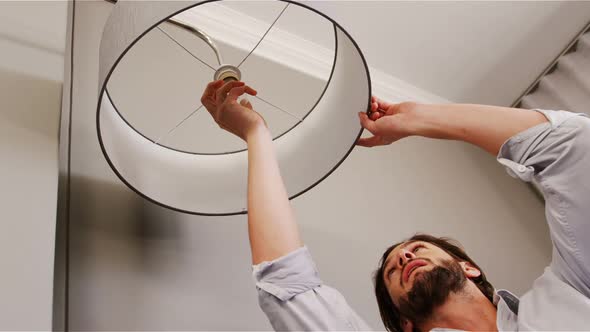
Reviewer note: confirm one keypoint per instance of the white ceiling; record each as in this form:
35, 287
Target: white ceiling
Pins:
480, 52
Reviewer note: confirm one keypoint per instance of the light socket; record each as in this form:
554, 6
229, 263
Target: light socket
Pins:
228, 73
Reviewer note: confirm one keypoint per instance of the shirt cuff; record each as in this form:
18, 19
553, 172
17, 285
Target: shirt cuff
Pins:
515, 151
288, 275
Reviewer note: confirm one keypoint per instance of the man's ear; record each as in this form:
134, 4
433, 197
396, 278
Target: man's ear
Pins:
469, 270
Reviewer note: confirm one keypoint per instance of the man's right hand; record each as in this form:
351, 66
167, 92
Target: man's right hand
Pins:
221, 100
387, 122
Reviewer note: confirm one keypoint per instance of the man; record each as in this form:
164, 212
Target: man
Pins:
426, 283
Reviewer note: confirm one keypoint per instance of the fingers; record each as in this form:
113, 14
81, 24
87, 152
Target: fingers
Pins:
251, 91
370, 141
375, 116
368, 123
374, 105
246, 103
235, 92
382, 104
222, 92
211, 88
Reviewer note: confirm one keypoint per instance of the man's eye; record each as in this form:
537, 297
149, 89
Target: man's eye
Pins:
417, 248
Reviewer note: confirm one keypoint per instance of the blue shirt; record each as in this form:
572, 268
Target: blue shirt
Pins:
555, 156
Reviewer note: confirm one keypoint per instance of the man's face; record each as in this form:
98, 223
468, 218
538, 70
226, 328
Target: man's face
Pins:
408, 262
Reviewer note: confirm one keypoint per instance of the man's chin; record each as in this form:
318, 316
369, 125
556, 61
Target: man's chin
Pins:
430, 289
418, 275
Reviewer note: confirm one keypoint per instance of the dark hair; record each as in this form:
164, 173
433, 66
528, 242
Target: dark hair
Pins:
389, 312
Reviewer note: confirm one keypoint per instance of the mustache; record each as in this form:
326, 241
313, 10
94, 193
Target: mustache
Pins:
401, 280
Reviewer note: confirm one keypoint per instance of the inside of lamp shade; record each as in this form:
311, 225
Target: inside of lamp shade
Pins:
215, 183
157, 85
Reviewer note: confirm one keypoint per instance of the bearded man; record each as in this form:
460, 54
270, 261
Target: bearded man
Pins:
426, 283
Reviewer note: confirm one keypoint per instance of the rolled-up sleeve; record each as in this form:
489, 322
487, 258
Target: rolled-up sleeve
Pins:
292, 296
556, 156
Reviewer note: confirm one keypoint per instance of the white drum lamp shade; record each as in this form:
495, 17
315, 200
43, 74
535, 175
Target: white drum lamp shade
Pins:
215, 183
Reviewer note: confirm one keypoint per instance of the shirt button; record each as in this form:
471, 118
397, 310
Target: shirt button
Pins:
521, 168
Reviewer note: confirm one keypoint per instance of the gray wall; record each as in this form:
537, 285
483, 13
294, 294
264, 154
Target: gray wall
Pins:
32, 43
137, 266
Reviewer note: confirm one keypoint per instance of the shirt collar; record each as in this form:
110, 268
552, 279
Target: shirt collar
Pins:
506, 320
511, 300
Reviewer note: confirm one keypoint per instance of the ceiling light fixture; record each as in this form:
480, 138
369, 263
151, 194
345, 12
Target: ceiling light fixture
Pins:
317, 131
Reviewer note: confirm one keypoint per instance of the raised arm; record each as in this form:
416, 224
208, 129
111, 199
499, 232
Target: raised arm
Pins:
290, 291
485, 126
271, 223
551, 148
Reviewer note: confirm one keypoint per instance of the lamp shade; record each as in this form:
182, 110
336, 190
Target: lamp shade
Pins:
209, 180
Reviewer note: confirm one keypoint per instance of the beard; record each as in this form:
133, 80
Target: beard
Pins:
430, 290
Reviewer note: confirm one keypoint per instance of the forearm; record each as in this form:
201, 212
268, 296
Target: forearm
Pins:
485, 126
271, 222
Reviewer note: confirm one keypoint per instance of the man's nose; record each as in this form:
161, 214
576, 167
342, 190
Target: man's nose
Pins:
404, 256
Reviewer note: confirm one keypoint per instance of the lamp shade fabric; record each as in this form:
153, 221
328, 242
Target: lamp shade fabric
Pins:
216, 184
